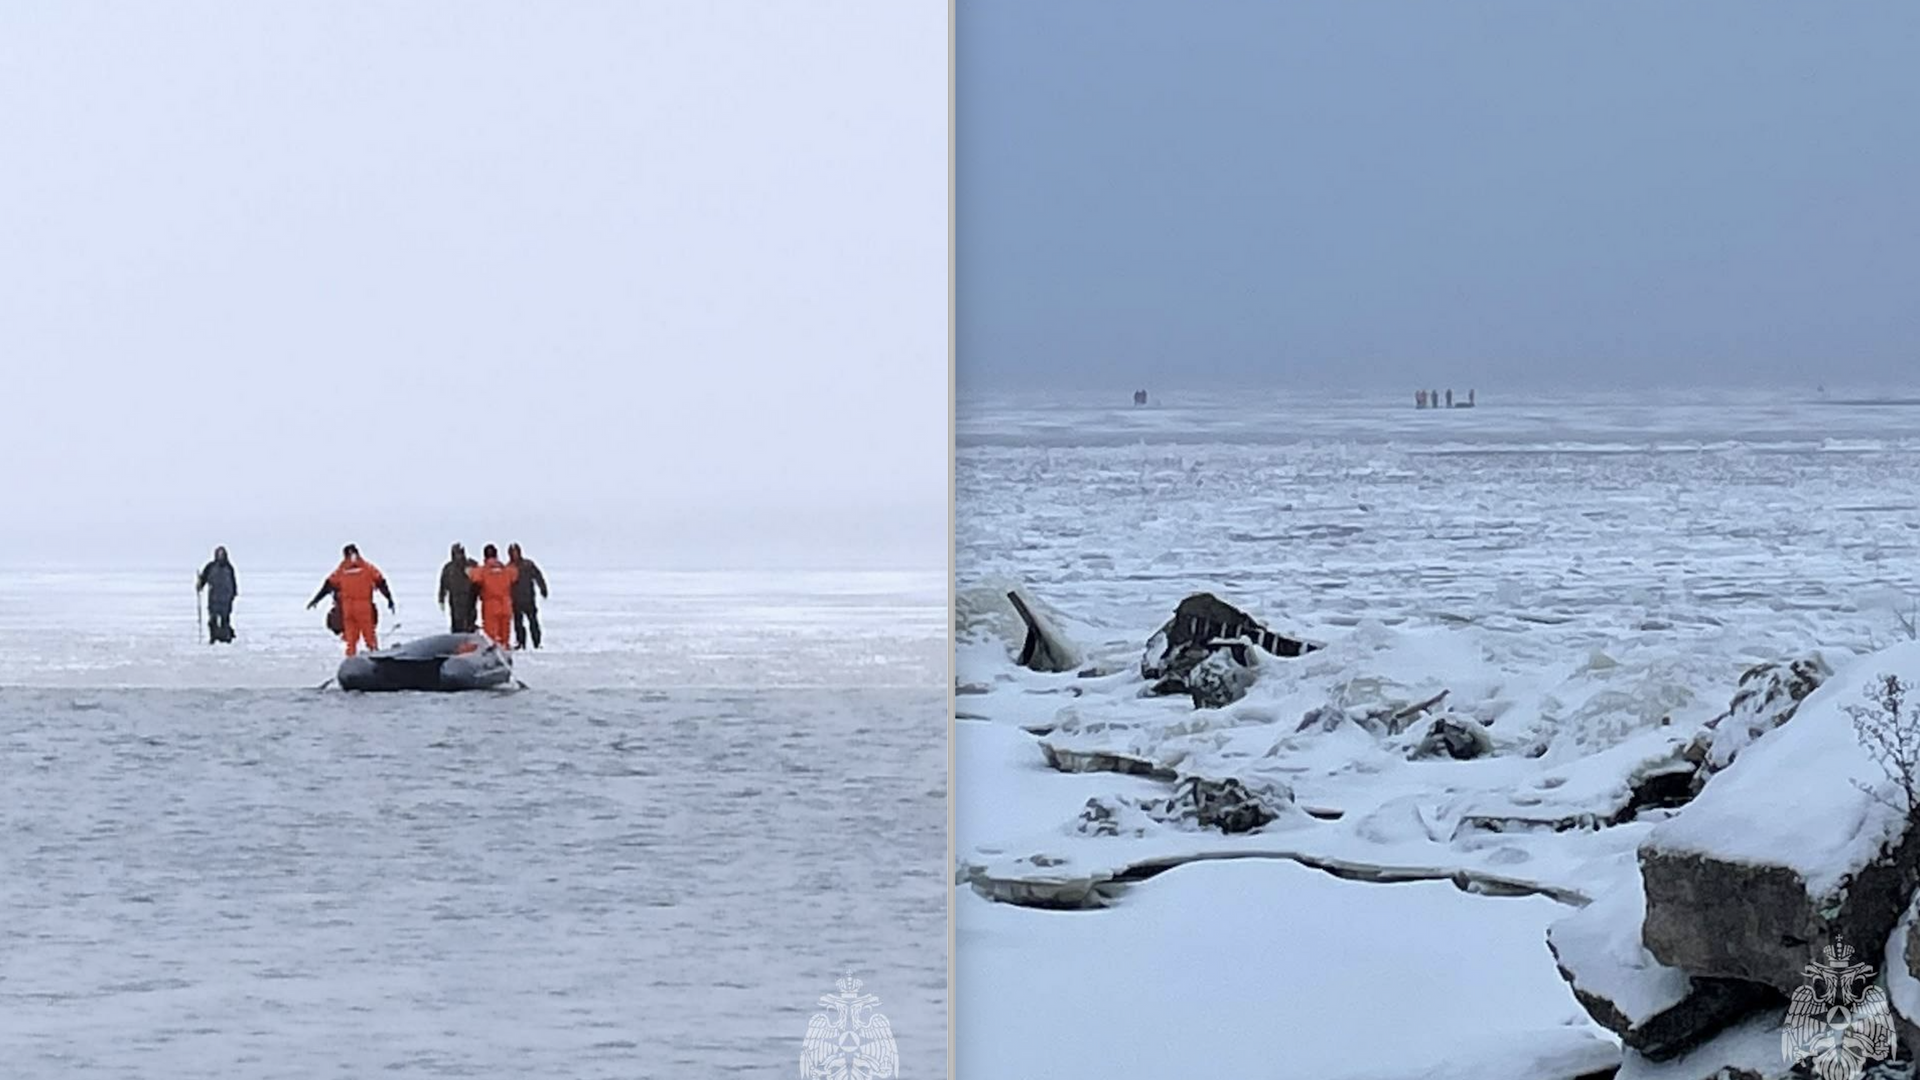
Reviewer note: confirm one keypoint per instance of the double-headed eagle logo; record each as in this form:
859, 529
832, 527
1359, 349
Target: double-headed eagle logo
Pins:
853, 1043
1838, 1023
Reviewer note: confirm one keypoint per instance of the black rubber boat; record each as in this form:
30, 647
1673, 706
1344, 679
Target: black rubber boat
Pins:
442, 662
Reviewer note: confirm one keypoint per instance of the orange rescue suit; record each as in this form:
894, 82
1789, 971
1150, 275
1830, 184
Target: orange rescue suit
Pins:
353, 584
495, 580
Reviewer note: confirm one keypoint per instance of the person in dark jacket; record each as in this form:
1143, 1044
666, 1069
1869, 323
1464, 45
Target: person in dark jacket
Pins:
457, 590
526, 612
217, 578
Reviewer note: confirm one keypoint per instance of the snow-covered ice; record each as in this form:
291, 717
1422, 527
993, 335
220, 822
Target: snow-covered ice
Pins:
1264, 969
1588, 576
605, 629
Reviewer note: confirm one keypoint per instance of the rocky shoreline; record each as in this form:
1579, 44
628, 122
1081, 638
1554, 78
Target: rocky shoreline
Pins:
1725, 866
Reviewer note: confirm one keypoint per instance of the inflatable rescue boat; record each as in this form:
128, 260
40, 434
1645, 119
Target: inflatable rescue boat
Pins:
442, 662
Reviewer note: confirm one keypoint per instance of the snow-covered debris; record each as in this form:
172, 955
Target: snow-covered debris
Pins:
1370, 704
1027, 629
1067, 759
1604, 789
1045, 647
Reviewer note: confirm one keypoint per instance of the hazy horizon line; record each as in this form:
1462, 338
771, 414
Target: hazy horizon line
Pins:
1203, 382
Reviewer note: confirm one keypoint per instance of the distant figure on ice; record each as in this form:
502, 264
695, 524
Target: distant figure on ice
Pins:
494, 579
222, 586
1469, 398
1449, 399
1139, 397
526, 612
352, 585
457, 597
1419, 399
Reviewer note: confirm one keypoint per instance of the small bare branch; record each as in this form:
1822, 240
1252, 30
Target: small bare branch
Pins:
1890, 733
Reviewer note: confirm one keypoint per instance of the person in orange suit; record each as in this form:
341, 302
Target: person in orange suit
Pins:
495, 580
352, 584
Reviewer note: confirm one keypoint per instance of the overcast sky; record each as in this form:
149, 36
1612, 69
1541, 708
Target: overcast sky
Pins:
1343, 192
661, 282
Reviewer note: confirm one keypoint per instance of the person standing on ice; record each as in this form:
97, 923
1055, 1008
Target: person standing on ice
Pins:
218, 579
495, 580
457, 589
526, 611
352, 584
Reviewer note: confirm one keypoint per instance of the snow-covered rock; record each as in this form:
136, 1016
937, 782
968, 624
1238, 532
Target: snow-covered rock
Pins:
1657, 1010
1116, 815
1798, 842
1768, 695
1747, 1050
1228, 806
1902, 967
1200, 624
1459, 737
1221, 679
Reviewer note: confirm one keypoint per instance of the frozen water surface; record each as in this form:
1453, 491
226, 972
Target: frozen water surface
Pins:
1737, 513
719, 794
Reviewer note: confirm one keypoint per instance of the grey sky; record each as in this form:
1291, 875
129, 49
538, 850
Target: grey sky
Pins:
658, 282
1345, 192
